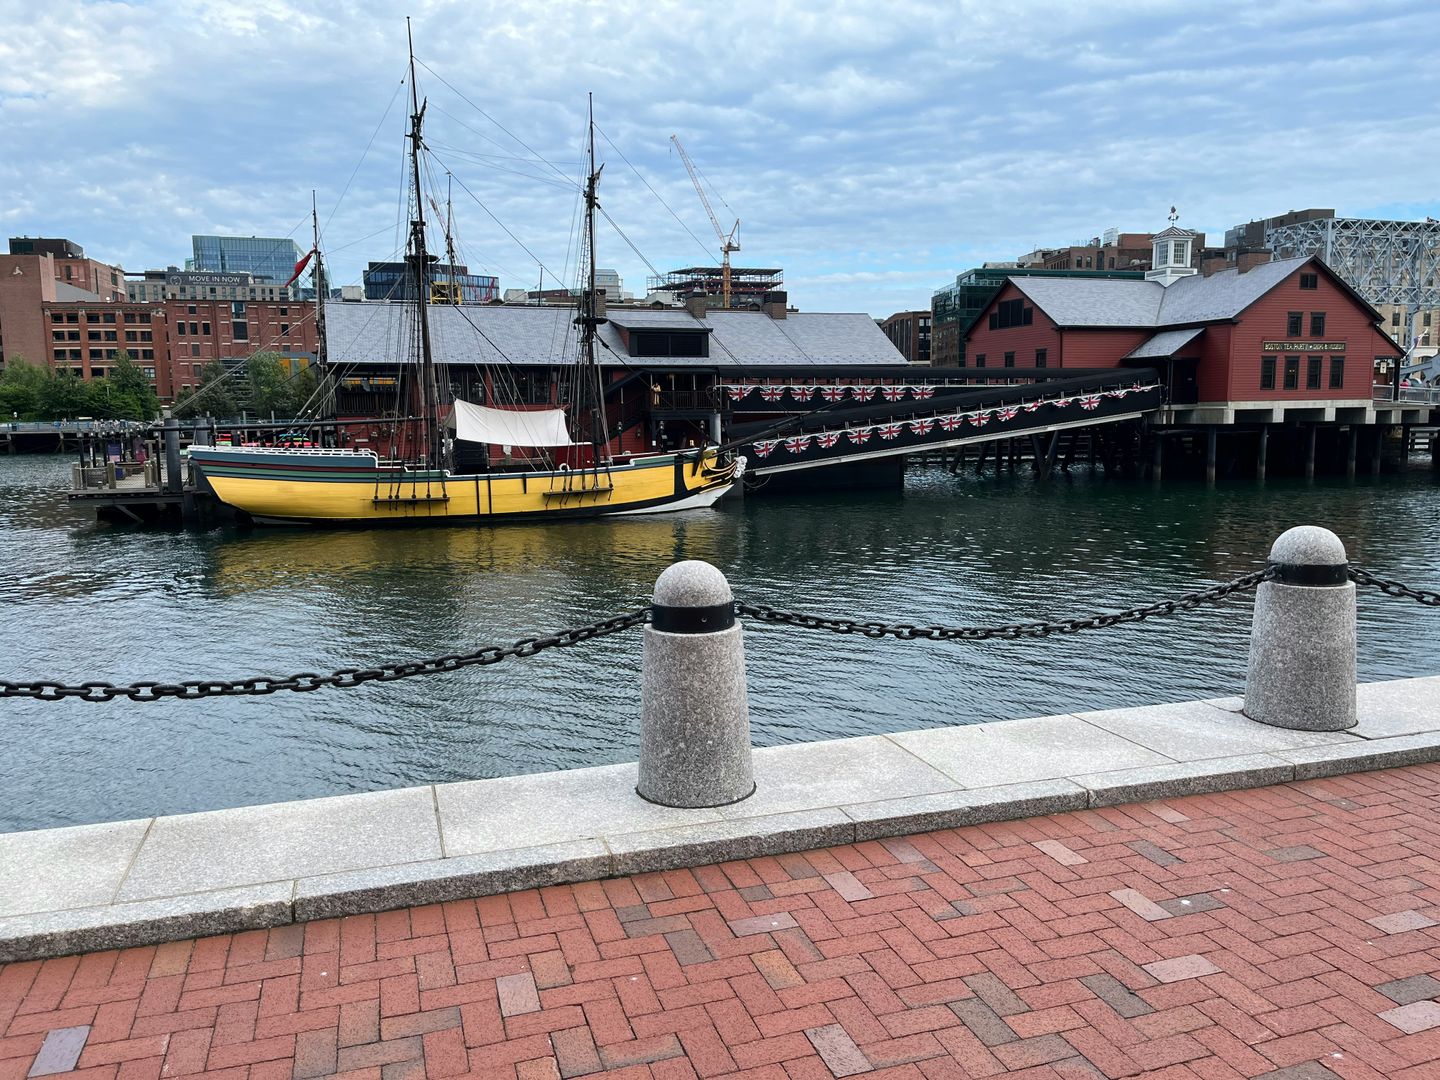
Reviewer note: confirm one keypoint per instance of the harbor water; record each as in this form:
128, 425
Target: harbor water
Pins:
90, 601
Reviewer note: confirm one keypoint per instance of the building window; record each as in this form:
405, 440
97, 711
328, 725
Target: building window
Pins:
59, 354
1293, 323
92, 335
1337, 372
145, 318
57, 335
980, 359
284, 329
195, 350
1425, 319
1395, 317
1009, 359
1292, 373
72, 335
108, 317
95, 354
56, 316
284, 311
180, 328
1312, 373
204, 328
129, 316
1267, 373
1042, 357
72, 316
1317, 324
190, 310
1309, 281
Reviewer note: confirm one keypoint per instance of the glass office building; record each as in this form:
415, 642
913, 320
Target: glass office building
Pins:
448, 284
270, 259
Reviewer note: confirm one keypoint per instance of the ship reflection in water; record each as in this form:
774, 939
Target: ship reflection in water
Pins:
87, 601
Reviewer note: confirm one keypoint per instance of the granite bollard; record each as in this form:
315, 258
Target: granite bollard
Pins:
1302, 642
694, 718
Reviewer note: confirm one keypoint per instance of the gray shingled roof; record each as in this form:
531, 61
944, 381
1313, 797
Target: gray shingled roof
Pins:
1195, 299
1165, 343
1223, 295
1101, 302
369, 333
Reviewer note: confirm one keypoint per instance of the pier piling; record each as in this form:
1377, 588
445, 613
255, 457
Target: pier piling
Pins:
694, 717
1302, 641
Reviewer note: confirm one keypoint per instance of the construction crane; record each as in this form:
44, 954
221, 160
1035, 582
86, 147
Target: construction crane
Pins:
727, 243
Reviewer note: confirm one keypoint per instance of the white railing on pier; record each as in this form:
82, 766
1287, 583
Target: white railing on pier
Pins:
1407, 395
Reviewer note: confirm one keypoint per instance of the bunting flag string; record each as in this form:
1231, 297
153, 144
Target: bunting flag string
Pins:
917, 426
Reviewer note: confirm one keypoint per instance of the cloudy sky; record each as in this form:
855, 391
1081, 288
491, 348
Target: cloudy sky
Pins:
873, 150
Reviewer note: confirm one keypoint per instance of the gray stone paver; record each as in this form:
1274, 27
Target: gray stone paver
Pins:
1016, 751
56, 869
807, 775
528, 811
114, 885
1197, 730
223, 849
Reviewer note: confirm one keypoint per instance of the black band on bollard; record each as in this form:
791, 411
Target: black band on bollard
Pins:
692, 620
1311, 574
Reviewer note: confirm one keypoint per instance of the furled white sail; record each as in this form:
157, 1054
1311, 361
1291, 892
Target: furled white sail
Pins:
511, 427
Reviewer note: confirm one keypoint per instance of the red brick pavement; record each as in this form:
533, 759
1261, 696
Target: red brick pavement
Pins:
1285, 932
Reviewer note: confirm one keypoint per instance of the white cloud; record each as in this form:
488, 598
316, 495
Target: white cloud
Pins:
873, 151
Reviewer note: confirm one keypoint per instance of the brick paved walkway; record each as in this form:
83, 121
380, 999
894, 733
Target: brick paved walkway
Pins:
1286, 932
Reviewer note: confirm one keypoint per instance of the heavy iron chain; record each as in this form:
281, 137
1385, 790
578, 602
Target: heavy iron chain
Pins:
912, 632
494, 654
1394, 588
307, 681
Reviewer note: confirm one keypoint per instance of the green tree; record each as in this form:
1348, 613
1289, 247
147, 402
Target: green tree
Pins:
216, 396
64, 396
268, 383
302, 389
22, 385
125, 395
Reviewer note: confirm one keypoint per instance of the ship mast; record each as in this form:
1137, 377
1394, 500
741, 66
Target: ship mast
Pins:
322, 360
420, 271
599, 435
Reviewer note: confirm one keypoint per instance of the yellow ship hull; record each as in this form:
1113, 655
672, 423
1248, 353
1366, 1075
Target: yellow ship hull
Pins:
354, 487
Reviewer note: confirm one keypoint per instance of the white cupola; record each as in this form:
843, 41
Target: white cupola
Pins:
1170, 253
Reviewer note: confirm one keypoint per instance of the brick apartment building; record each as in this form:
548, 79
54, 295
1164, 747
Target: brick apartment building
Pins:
86, 336
203, 331
909, 331
40, 271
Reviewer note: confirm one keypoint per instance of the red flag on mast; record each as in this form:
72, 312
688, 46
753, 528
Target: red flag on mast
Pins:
299, 268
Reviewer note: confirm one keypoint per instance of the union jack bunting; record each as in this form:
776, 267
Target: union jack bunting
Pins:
980, 419
827, 439
859, 435
1089, 402
797, 443
1008, 413
832, 394
922, 393
862, 393
738, 392
1031, 406
951, 423
762, 449
892, 393
772, 393
1116, 393
1061, 403
889, 431
802, 393
922, 427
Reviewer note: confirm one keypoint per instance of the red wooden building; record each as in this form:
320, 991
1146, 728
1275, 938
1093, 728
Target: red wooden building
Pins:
1277, 337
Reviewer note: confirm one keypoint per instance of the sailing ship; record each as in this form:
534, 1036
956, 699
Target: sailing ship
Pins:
573, 472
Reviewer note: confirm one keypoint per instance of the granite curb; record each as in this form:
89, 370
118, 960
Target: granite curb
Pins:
615, 850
